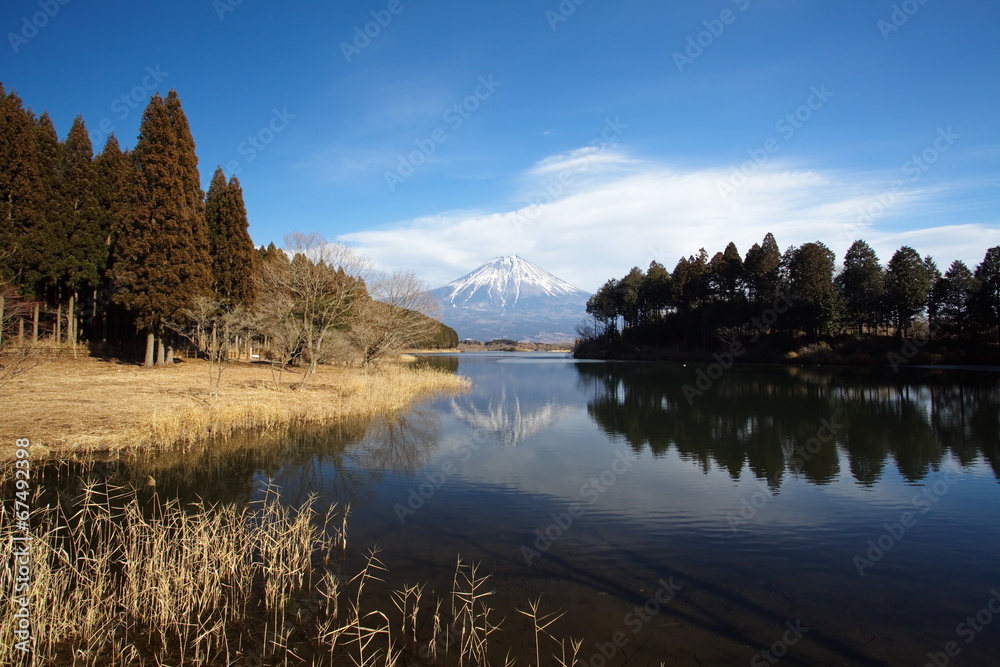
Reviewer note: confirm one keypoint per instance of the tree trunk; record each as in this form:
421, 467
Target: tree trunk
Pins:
34, 323
150, 348
20, 329
2, 303
58, 332
71, 321
170, 355
161, 354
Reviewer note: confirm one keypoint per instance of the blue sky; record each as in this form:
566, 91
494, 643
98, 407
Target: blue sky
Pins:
587, 136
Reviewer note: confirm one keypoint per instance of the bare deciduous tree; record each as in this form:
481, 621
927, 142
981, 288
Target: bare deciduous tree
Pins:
303, 301
398, 314
16, 355
215, 330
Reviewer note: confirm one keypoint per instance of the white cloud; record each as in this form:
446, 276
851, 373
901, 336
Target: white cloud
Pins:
592, 214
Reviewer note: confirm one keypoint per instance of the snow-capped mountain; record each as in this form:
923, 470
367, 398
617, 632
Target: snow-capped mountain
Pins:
509, 297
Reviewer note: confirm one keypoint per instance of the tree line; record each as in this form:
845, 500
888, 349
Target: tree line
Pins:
125, 245
705, 299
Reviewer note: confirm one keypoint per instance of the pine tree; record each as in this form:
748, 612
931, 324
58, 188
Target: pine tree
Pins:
952, 296
761, 271
862, 285
986, 301
120, 210
234, 260
44, 258
810, 276
908, 284
21, 217
85, 233
162, 261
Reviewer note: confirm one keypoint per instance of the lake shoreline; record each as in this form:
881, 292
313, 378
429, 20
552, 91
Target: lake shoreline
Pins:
881, 352
88, 406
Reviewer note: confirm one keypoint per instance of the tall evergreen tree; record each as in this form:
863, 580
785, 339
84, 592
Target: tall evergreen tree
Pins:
46, 245
810, 275
986, 301
761, 271
908, 283
952, 296
691, 281
163, 261
120, 210
86, 234
656, 292
861, 285
234, 260
21, 217
627, 296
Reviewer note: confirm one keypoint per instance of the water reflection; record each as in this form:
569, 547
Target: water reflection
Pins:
763, 417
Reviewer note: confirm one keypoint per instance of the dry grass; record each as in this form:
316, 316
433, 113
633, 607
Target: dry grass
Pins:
118, 578
70, 406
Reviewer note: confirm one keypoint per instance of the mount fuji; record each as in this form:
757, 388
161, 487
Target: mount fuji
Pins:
509, 297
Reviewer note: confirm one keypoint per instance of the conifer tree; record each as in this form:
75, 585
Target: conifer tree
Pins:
908, 284
162, 261
810, 276
45, 245
761, 271
20, 188
986, 301
85, 233
234, 260
952, 296
862, 285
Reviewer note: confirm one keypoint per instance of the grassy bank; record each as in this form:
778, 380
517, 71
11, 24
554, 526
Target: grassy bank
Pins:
75, 406
120, 578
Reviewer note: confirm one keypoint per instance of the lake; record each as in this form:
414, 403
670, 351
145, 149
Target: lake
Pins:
677, 514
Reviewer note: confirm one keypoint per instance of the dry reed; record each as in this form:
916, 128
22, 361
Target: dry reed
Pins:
122, 578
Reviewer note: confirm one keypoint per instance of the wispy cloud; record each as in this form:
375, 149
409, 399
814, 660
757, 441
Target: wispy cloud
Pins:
617, 211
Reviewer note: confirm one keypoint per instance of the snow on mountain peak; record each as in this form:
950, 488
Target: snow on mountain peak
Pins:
503, 281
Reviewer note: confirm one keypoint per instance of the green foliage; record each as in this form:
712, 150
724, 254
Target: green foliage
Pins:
986, 301
862, 287
163, 261
908, 283
21, 216
234, 261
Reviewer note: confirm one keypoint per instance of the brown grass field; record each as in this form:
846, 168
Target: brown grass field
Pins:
70, 407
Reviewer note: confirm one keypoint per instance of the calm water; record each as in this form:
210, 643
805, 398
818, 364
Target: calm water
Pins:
829, 516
